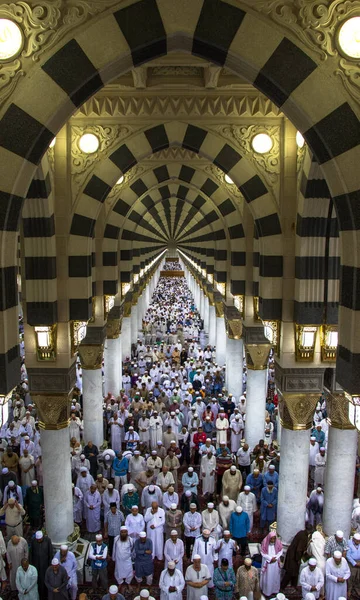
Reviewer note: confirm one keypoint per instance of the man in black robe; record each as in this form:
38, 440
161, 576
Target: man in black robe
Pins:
293, 558
41, 553
91, 452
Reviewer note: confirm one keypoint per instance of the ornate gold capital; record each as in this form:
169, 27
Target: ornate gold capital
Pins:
234, 329
337, 406
91, 356
127, 308
53, 410
219, 308
113, 328
297, 410
134, 300
257, 356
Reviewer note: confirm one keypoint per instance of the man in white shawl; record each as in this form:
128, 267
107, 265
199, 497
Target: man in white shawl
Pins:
271, 551
174, 550
317, 549
155, 522
26, 581
171, 583
337, 573
207, 472
121, 555
117, 432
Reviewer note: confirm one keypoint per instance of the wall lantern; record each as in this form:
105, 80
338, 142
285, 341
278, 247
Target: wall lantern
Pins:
305, 338
45, 337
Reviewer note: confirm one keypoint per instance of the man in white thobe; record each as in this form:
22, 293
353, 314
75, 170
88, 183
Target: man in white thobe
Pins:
226, 548
134, 523
311, 579
211, 521
136, 466
236, 426
205, 547
226, 508
110, 495
174, 550
207, 472
337, 573
155, 426
247, 501
121, 555
26, 581
155, 522
149, 494
92, 502
144, 430
171, 583
222, 425
199, 574
320, 463
68, 561
165, 479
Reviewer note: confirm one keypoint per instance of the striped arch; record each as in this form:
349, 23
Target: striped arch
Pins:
267, 56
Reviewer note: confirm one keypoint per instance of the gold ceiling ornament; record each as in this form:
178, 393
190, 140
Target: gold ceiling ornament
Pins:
176, 71
242, 136
81, 163
316, 24
257, 356
337, 406
251, 104
297, 410
53, 410
176, 153
91, 356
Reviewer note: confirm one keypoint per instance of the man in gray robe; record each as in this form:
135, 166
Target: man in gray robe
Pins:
56, 580
17, 549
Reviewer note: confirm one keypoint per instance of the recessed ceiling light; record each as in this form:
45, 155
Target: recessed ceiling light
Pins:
262, 143
11, 39
349, 37
89, 143
120, 180
52, 143
229, 180
299, 140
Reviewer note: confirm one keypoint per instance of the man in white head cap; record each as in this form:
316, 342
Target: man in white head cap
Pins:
192, 523
144, 595
171, 583
56, 580
67, 560
311, 579
98, 555
41, 553
137, 464
353, 558
226, 547
207, 469
190, 481
222, 425
337, 573
197, 578
173, 520
247, 501
247, 581
174, 550
231, 483
205, 546
226, 508
313, 450
336, 542
155, 523
149, 494
211, 520
122, 556
113, 594
135, 522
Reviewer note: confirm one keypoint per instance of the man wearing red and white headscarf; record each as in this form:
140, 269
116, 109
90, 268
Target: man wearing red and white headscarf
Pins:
271, 551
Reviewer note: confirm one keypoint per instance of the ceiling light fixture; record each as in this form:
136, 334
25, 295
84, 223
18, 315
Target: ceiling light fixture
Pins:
229, 180
262, 143
89, 143
11, 40
120, 180
349, 37
52, 143
300, 141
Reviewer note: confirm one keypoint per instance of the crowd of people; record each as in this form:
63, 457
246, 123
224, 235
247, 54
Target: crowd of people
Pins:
172, 265
175, 500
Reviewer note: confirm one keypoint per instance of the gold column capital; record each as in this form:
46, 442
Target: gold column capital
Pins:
91, 356
219, 308
234, 329
113, 328
257, 356
297, 410
337, 406
53, 410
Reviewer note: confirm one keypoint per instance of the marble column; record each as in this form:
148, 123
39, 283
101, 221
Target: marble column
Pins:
257, 356
340, 467
220, 341
112, 353
202, 304
53, 413
206, 314
212, 325
234, 366
140, 311
91, 358
126, 338
296, 413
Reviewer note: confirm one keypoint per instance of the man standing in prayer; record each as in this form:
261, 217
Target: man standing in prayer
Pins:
190, 481
315, 506
171, 583
174, 550
336, 542
337, 574
56, 580
320, 464
224, 581
13, 512
205, 547
268, 508
226, 508
247, 501
144, 564
17, 549
353, 558
231, 483
211, 521
113, 520
121, 555
41, 553
192, 523
134, 523
197, 578
240, 527
68, 561
92, 501
271, 551
247, 581
293, 558
98, 556
173, 520
34, 500
226, 548
311, 579
113, 594
207, 471
26, 581
155, 523
222, 425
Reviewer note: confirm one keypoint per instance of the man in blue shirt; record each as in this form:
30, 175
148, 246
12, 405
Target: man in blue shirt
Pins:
353, 558
268, 506
240, 527
121, 468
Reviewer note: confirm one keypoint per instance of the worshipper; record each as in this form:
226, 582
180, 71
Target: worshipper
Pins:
271, 551
224, 581
190, 481
110, 496
67, 560
170, 497
353, 558
231, 483
113, 520
336, 542
171, 583
144, 564
91, 452
155, 523
13, 512
222, 425
144, 595
173, 520
2, 559
226, 548
237, 427
315, 506
92, 502
34, 501
26, 581
27, 471
197, 578
320, 464
247, 501
311, 579
56, 580
268, 506
155, 427
122, 556
130, 499
135, 523
174, 550
187, 499
165, 479
136, 466
77, 504
16, 550
113, 594
207, 471
225, 509
247, 581
120, 467
313, 451
255, 481
211, 520
243, 459
192, 523
239, 528
271, 475
98, 555
316, 548
205, 547
41, 553
149, 494
293, 558
13, 491
337, 573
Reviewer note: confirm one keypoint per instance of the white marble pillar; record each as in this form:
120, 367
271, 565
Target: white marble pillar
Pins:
134, 324
112, 352
234, 366
220, 341
212, 325
147, 296
93, 406
201, 303
58, 497
339, 480
140, 311
206, 314
255, 405
126, 338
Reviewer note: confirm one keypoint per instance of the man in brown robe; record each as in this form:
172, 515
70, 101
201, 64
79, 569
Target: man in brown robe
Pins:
293, 558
